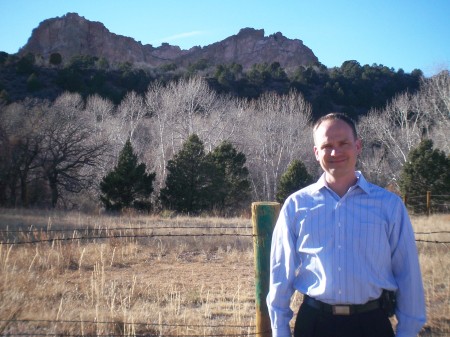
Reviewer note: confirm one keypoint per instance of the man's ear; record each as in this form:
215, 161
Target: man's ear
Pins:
316, 153
358, 146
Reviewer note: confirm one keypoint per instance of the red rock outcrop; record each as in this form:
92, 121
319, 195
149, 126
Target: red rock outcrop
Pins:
72, 35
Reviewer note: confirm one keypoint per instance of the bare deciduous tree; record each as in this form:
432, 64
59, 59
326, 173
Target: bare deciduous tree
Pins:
22, 124
101, 111
179, 110
130, 112
435, 100
187, 102
69, 146
389, 134
274, 136
156, 109
397, 129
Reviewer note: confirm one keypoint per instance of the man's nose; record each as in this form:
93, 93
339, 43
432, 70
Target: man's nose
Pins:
333, 151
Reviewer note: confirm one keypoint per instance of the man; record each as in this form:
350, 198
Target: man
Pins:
341, 242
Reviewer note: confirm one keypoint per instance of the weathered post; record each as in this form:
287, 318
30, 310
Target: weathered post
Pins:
428, 202
264, 217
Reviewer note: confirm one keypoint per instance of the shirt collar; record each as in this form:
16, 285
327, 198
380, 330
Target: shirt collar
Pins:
361, 182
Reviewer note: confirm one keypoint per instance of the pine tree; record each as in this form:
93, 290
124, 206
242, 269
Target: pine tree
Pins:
232, 186
128, 184
295, 178
427, 169
190, 180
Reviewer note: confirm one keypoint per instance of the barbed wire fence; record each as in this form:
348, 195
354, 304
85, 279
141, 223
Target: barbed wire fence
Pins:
42, 235
34, 236
246, 334
427, 204
151, 326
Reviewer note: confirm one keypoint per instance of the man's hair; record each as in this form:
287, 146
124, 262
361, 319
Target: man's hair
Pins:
337, 115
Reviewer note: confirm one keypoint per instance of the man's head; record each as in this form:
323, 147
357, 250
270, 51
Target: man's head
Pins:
336, 145
334, 116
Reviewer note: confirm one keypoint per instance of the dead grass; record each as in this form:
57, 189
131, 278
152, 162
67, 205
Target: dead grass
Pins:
155, 285
435, 265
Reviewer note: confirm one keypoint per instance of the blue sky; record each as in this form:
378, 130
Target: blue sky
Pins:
407, 34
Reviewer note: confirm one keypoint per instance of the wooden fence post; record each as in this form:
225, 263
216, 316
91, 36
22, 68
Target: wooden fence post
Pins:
264, 217
428, 202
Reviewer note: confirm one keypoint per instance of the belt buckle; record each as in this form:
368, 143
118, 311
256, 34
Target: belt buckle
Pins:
341, 310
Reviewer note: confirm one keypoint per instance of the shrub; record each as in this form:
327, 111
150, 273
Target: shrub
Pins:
128, 185
295, 178
427, 169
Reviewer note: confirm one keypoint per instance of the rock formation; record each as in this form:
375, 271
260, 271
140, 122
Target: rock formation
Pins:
72, 35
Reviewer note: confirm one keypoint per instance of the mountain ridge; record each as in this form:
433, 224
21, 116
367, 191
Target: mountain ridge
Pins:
72, 35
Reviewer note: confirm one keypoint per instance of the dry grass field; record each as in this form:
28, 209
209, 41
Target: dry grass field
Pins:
152, 276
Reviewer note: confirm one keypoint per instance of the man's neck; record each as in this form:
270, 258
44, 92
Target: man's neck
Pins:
340, 185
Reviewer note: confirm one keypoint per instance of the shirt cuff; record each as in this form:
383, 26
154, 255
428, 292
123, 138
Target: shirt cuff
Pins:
281, 332
405, 334
407, 331
408, 327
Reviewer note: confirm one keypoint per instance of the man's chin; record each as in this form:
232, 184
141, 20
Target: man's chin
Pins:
338, 171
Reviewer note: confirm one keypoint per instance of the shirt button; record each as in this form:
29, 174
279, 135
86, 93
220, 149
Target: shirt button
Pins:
339, 268
340, 291
339, 246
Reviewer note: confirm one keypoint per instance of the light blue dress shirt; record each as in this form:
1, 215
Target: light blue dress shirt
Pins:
345, 251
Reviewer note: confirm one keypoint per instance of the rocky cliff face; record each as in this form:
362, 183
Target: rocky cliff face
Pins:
72, 35
250, 46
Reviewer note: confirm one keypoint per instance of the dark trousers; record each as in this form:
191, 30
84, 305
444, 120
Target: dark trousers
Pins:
312, 322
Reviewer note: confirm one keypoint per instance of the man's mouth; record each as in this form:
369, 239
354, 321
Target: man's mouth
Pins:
336, 161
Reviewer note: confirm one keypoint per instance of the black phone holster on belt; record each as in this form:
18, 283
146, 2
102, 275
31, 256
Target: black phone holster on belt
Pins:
388, 302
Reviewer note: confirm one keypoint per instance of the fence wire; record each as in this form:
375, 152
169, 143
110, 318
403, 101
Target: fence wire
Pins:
33, 230
157, 334
150, 235
155, 325
130, 323
123, 237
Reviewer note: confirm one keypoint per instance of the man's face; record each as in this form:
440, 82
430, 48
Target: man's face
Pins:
336, 148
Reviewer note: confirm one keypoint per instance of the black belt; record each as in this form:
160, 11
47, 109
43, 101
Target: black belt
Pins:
349, 309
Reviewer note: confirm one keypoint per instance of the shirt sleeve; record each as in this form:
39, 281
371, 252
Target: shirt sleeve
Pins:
282, 273
410, 310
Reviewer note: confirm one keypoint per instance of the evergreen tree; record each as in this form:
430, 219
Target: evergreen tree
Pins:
232, 186
190, 179
128, 185
33, 83
427, 169
295, 178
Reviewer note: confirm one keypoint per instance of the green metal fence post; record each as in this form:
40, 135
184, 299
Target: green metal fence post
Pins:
264, 217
